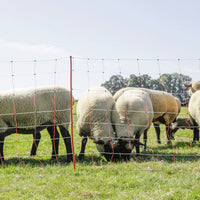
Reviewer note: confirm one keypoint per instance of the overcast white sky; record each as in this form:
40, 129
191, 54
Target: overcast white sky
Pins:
48, 29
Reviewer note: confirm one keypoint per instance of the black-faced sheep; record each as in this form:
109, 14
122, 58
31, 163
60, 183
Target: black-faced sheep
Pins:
132, 114
166, 108
181, 123
157, 126
28, 111
94, 121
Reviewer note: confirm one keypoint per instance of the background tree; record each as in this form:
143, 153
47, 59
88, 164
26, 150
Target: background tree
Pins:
139, 81
172, 83
115, 83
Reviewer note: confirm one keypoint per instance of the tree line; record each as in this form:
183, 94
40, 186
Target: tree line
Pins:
172, 83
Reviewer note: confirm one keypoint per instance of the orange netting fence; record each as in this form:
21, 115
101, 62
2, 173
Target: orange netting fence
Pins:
79, 75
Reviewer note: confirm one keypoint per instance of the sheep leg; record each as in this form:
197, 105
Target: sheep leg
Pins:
137, 143
54, 140
1, 149
196, 132
83, 144
36, 140
157, 129
168, 132
67, 139
145, 139
174, 131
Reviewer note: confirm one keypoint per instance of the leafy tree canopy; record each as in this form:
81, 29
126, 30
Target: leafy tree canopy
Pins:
172, 83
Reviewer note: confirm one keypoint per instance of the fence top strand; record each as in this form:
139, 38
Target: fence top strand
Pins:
99, 59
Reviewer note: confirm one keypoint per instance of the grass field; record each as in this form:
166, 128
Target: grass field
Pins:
161, 172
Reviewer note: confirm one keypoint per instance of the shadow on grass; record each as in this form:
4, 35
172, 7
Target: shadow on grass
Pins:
158, 153
166, 157
34, 161
177, 145
62, 161
90, 160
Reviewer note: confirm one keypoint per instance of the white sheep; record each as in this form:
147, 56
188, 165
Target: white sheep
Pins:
94, 120
194, 110
166, 108
28, 111
132, 114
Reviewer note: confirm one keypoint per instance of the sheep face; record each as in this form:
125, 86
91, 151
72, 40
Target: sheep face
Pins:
108, 149
125, 148
126, 145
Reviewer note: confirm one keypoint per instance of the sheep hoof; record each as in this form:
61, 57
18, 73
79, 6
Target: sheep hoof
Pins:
81, 157
69, 159
32, 155
194, 141
168, 142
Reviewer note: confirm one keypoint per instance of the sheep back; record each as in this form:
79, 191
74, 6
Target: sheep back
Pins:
26, 101
94, 114
162, 102
133, 111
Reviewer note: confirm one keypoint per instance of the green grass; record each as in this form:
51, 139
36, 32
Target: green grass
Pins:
150, 177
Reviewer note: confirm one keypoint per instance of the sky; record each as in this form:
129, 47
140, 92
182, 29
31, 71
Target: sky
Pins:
104, 36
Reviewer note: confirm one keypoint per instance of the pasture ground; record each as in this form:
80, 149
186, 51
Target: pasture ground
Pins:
172, 173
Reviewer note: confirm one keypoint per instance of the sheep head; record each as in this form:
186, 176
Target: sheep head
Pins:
126, 146
108, 149
193, 87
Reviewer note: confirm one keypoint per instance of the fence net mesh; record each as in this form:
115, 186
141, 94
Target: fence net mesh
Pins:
165, 75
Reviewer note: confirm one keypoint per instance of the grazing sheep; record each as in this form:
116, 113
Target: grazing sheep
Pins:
157, 126
166, 107
28, 111
94, 121
194, 112
131, 115
183, 123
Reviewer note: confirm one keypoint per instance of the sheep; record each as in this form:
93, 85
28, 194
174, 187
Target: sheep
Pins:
194, 86
166, 108
157, 126
194, 109
183, 123
131, 115
29, 111
94, 121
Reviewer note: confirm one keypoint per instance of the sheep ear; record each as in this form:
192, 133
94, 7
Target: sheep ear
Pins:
99, 142
190, 85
